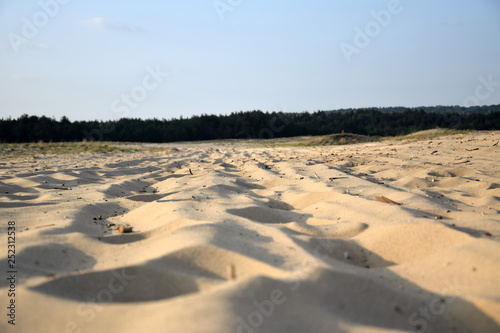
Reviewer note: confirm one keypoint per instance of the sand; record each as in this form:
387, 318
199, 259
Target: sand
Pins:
234, 238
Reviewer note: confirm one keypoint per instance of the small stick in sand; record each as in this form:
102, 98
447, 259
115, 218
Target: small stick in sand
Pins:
334, 178
63, 188
387, 200
191, 172
44, 226
231, 272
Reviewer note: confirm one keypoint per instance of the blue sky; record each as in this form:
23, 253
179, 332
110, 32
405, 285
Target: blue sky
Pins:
165, 59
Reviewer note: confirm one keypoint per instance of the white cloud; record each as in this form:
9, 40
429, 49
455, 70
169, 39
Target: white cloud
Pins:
98, 23
42, 46
94, 23
21, 77
453, 23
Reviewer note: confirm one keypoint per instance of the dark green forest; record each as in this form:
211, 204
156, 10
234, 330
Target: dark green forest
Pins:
252, 124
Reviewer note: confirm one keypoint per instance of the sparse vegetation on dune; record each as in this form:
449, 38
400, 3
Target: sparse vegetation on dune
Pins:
338, 139
432, 133
11, 150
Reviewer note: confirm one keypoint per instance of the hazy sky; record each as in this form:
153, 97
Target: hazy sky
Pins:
89, 59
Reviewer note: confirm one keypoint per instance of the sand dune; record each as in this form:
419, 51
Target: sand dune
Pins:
394, 236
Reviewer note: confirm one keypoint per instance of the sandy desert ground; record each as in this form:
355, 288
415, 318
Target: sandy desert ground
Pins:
393, 236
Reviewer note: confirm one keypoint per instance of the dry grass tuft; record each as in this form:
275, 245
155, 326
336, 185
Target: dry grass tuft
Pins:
338, 139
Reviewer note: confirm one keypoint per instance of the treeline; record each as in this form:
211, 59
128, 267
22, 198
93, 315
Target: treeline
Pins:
252, 124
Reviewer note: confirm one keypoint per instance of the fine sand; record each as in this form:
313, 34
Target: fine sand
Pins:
393, 236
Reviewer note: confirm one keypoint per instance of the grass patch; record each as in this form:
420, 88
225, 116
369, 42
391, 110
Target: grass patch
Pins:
33, 150
429, 134
338, 139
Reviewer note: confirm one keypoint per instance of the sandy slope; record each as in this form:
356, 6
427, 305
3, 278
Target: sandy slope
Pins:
240, 239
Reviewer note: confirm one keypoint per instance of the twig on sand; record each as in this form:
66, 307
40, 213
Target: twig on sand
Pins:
231, 272
387, 200
44, 226
63, 188
191, 172
334, 178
